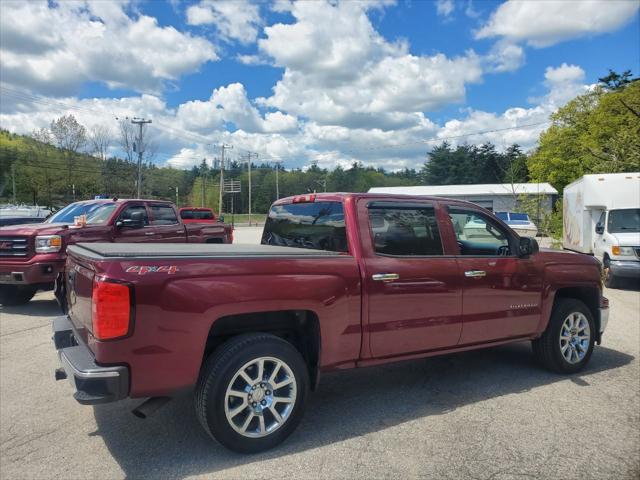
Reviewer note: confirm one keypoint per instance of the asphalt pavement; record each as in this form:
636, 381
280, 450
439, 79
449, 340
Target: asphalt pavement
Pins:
490, 414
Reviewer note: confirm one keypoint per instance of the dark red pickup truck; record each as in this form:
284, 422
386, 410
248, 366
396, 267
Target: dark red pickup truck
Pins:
31, 256
341, 281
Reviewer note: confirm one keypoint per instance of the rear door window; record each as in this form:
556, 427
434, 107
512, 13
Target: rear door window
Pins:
400, 231
314, 225
163, 215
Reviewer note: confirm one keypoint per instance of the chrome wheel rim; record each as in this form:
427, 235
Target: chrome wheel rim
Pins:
260, 397
575, 336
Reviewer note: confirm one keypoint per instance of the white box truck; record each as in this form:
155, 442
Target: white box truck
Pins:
601, 217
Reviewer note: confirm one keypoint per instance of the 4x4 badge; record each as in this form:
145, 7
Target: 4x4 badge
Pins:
144, 269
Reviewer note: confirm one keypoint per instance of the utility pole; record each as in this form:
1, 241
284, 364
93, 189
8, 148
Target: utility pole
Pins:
223, 148
204, 177
13, 179
140, 122
277, 162
249, 155
176, 189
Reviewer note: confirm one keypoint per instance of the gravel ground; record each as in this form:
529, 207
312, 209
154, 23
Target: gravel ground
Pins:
484, 414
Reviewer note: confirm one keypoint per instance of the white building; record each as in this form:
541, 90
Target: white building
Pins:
497, 197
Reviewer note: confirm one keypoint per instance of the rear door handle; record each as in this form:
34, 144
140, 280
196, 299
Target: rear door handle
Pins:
149, 233
179, 231
475, 273
385, 277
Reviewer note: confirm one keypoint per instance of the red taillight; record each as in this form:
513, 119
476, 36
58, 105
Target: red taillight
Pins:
110, 309
304, 198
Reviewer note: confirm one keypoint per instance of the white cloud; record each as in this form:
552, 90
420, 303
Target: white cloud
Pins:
563, 83
357, 78
234, 19
445, 7
230, 105
504, 57
545, 23
55, 48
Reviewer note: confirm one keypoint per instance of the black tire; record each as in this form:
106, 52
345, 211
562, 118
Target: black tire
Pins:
218, 372
11, 295
547, 350
610, 281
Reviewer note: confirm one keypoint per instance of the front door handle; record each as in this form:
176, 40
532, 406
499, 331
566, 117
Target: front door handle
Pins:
149, 233
475, 273
385, 277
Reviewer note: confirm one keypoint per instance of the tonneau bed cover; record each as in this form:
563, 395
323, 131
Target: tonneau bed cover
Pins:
172, 250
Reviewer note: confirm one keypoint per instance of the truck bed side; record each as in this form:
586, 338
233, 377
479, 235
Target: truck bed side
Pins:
175, 312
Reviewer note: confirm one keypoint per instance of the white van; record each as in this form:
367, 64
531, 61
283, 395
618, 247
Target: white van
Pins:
601, 216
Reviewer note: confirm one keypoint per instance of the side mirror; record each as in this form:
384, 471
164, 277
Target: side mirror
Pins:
528, 246
599, 228
136, 221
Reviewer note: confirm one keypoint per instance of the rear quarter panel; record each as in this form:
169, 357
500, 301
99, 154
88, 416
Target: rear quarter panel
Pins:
200, 233
175, 312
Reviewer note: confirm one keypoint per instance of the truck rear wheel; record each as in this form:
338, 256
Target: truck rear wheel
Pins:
567, 343
251, 392
11, 295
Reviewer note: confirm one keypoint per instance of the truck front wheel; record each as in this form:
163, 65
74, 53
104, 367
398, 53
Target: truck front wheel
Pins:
251, 392
609, 280
567, 343
11, 295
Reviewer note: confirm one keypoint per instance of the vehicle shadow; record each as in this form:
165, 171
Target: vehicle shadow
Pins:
348, 404
38, 307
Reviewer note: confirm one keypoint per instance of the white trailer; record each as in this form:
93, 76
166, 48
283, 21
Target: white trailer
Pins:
601, 217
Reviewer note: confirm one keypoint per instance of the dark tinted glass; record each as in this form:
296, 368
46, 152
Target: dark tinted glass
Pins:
406, 232
196, 214
126, 213
317, 225
163, 215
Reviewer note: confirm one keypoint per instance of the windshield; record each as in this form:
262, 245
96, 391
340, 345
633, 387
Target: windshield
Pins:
67, 214
317, 225
101, 214
622, 221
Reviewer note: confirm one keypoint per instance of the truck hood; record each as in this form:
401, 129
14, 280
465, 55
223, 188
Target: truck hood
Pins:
551, 256
34, 229
628, 239
42, 229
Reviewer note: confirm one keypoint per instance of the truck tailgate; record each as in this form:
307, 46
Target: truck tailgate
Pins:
79, 280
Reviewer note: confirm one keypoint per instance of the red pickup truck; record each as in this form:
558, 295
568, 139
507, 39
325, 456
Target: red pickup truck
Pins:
340, 281
31, 256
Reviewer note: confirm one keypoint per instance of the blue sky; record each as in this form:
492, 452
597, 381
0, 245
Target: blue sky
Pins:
375, 81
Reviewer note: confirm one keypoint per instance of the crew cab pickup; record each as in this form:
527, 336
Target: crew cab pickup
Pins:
340, 281
32, 256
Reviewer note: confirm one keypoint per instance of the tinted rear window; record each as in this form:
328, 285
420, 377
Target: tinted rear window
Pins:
317, 225
196, 214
